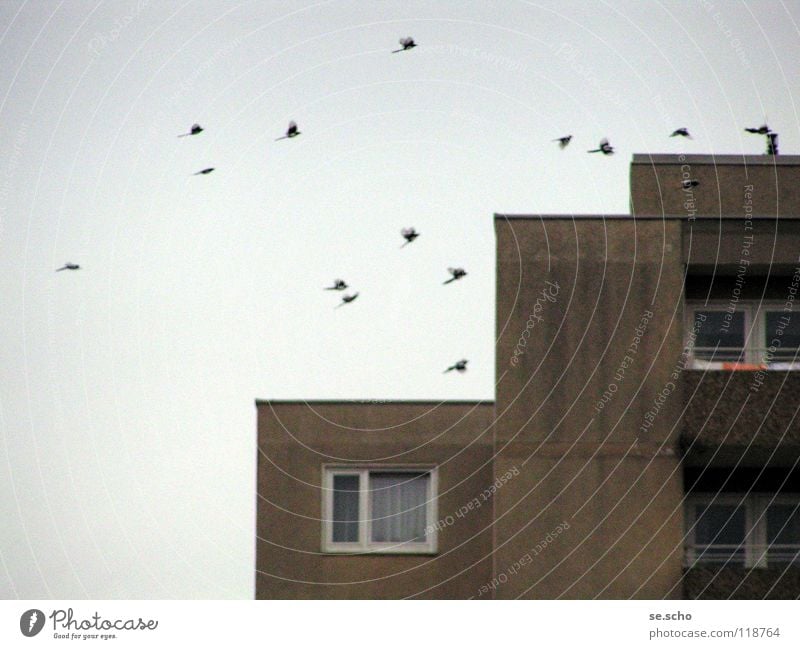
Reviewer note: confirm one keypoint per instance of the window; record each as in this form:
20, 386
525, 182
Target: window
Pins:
747, 334
747, 530
386, 509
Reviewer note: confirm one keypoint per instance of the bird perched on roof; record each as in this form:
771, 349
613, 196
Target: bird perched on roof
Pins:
690, 183
196, 128
605, 148
460, 366
69, 266
683, 132
346, 299
457, 273
338, 285
761, 130
409, 234
291, 131
205, 171
407, 44
563, 141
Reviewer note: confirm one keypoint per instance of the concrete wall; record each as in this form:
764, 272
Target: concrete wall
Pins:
614, 327
761, 247
657, 189
296, 439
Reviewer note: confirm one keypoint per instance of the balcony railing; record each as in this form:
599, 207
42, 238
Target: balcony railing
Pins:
751, 555
747, 358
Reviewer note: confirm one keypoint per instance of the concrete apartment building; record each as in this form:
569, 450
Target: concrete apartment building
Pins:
644, 441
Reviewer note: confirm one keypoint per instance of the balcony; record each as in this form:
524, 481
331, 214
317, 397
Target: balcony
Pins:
745, 416
708, 581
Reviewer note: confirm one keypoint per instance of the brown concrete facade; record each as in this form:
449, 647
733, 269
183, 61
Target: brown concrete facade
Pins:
597, 414
297, 439
572, 405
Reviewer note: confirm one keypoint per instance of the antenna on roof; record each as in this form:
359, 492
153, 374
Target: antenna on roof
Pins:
772, 144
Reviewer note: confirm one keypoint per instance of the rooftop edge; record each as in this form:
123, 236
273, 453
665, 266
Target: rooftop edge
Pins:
713, 159
374, 402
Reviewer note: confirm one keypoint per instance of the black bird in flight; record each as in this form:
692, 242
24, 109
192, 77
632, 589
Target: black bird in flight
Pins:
605, 148
683, 132
409, 234
563, 141
460, 366
761, 130
407, 44
457, 273
205, 171
196, 128
346, 299
69, 266
290, 132
690, 183
338, 285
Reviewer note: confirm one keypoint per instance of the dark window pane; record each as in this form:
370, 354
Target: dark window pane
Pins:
783, 327
721, 330
783, 534
345, 508
719, 533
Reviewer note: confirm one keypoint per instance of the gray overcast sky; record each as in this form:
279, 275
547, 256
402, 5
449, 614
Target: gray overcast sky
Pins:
127, 462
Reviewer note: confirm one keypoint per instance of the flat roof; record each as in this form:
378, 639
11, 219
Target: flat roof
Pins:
375, 402
713, 159
642, 217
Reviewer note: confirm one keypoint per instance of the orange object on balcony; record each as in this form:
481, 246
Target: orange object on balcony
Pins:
752, 367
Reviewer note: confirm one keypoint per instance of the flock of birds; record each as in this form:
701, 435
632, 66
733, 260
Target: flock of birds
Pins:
410, 234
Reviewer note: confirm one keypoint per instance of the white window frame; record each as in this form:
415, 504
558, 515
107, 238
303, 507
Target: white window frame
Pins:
364, 544
755, 327
755, 520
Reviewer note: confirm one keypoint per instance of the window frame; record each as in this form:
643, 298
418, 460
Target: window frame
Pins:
365, 545
755, 324
755, 544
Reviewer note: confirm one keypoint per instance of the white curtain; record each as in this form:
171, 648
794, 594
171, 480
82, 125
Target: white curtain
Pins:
399, 503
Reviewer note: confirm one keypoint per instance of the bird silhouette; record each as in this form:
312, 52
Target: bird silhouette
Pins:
460, 366
196, 128
291, 131
346, 299
563, 141
761, 130
205, 171
690, 183
683, 132
409, 234
68, 266
338, 285
457, 273
605, 148
407, 44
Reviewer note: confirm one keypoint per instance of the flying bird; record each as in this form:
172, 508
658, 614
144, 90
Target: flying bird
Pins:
605, 148
338, 285
407, 44
205, 171
290, 132
683, 132
460, 366
346, 299
409, 234
196, 128
761, 130
563, 141
68, 266
457, 273
690, 183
